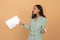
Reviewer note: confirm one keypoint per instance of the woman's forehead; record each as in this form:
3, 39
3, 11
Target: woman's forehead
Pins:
34, 7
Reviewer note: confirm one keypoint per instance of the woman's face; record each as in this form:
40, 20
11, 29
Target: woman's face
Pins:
35, 10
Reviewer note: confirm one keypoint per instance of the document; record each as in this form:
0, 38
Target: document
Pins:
12, 22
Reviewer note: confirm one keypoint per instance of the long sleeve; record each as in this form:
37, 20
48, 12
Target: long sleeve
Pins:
26, 26
43, 24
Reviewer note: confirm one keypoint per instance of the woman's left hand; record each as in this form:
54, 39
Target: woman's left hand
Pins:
45, 30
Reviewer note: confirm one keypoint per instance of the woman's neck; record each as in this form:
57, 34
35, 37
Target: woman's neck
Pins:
37, 17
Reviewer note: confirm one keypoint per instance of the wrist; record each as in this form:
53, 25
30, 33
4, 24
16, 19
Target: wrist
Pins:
23, 24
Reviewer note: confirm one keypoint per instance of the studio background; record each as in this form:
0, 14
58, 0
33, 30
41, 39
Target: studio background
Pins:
23, 9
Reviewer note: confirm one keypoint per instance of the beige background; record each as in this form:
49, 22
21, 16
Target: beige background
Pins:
23, 8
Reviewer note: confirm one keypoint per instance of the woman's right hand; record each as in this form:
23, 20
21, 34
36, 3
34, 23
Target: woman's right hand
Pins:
20, 23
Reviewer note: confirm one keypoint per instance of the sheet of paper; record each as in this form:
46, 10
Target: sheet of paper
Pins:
12, 22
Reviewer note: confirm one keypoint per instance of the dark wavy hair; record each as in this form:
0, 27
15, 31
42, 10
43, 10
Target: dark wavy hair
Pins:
40, 13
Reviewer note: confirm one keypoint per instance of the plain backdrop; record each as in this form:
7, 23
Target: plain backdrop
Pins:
23, 8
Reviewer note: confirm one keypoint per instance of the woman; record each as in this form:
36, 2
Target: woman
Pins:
37, 23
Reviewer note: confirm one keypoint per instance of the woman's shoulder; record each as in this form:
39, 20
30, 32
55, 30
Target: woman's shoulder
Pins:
43, 18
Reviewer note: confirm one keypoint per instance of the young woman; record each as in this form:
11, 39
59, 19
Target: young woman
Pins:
37, 23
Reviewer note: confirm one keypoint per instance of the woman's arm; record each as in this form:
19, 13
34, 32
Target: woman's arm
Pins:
26, 26
43, 25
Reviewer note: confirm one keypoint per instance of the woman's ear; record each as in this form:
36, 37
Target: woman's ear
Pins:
38, 10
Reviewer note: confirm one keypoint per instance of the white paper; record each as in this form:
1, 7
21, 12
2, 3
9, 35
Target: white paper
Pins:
12, 22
